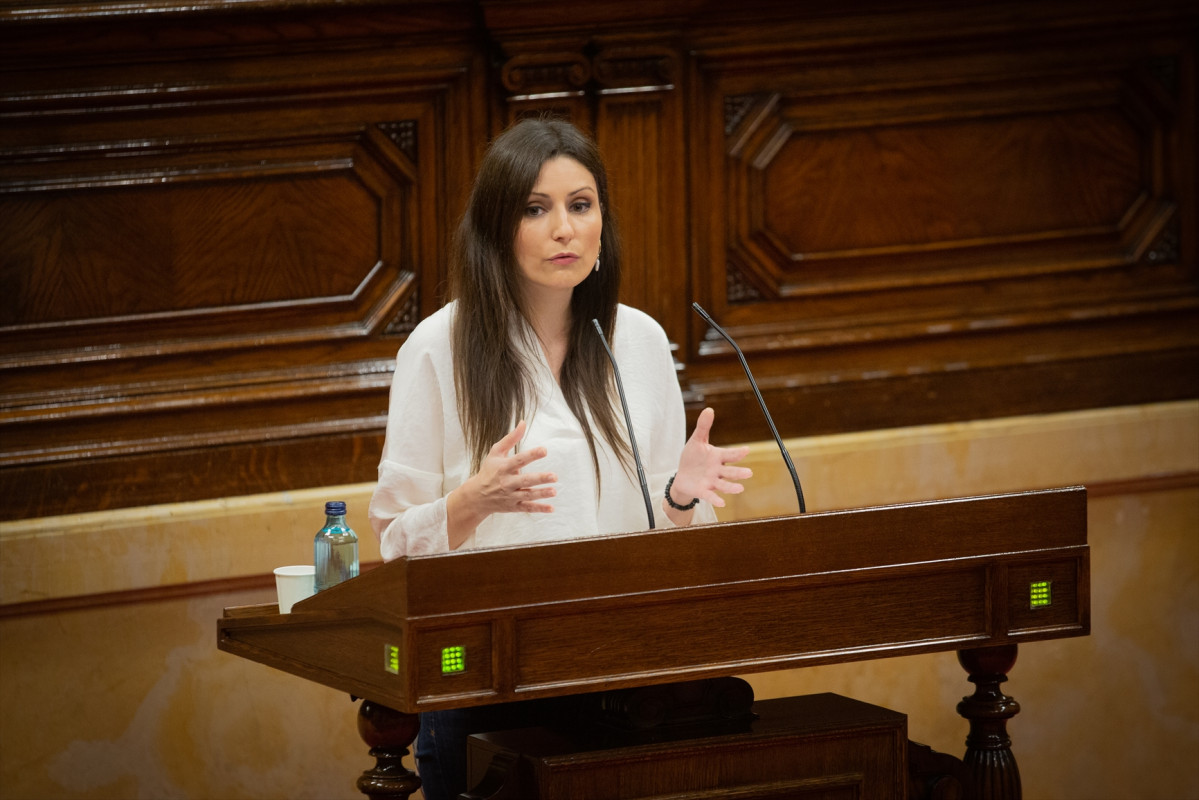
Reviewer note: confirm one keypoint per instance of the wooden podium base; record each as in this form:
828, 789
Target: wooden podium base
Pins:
815, 747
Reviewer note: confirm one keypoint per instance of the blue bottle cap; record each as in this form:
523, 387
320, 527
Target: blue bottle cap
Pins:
335, 508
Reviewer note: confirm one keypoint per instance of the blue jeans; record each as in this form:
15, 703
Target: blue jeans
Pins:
441, 744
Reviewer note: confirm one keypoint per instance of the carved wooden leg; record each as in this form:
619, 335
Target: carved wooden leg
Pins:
389, 733
989, 758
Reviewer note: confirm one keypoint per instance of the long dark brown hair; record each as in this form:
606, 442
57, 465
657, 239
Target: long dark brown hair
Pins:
494, 385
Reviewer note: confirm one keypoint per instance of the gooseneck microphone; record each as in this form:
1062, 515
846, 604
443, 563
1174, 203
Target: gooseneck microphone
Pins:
778, 439
628, 420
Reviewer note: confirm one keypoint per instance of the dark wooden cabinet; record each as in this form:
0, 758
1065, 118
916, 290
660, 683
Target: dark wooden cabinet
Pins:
815, 747
219, 220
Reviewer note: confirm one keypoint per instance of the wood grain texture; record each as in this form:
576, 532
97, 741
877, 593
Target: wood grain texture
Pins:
218, 221
816, 747
787, 592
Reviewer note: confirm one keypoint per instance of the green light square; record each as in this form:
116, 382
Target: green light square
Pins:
1040, 594
391, 658
453, 659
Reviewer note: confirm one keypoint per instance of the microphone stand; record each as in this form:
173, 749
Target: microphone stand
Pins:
762, 403
628, 420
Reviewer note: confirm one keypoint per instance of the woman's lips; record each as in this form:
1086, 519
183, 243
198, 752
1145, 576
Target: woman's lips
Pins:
564, 259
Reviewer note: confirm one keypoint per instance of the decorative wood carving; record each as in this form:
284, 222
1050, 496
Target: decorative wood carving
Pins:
989, 760
991, 203
735, 109
403, 134
631, 68
739, 289
407, 317
828, 201
1165, 249
389, 734
208, 217
201, 284
545, 73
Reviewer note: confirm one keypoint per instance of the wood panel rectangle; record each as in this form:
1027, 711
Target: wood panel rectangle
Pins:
776, 624
218, 223
210, 258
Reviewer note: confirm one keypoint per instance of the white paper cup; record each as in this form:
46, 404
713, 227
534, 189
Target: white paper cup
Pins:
294, 584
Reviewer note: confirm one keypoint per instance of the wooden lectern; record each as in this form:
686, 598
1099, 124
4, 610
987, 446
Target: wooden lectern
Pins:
977, 575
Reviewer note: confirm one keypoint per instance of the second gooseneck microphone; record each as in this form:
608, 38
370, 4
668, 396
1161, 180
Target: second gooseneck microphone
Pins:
628, 420
754, 384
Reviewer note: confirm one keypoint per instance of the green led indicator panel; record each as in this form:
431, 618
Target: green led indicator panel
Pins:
391, 658
453, 659
1039, 595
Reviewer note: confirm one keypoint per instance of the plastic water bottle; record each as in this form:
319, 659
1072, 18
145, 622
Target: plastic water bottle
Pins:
335, 548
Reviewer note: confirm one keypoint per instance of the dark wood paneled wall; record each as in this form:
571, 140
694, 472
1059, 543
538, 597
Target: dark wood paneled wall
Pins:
219, 220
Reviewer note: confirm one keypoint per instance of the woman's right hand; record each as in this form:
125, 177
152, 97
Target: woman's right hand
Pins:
500, 486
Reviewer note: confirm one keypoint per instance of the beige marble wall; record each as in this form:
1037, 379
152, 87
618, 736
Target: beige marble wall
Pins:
133, 700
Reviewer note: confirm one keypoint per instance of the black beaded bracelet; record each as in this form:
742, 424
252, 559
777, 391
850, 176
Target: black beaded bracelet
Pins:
675, 505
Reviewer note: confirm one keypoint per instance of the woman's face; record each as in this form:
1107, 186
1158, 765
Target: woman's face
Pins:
558, 240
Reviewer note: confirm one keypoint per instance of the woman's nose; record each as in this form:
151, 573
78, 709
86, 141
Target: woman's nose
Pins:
562, 230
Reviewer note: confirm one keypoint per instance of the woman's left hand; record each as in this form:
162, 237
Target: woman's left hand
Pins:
704, 470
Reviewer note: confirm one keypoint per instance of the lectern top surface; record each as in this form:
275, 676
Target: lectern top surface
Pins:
670, 559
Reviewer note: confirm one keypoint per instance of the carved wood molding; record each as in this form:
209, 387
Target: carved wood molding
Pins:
735, 110
590, 68
408, 314
739, 290
831, 196
403, 134
209, 284
174, 292
545, 73
635, 68
215, 227
1165, 248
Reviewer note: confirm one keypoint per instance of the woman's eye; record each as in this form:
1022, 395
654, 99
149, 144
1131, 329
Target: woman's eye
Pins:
581, 206
534, 211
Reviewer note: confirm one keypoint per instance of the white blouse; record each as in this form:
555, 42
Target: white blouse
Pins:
425, 455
